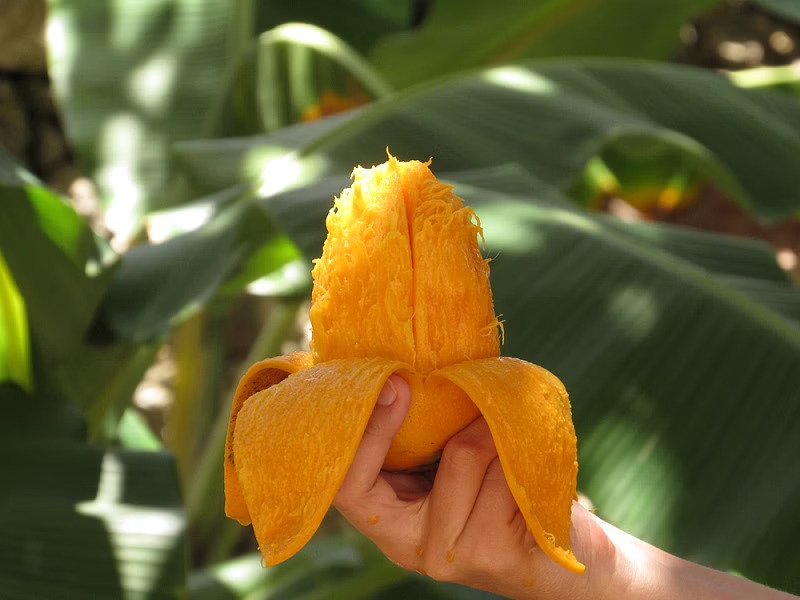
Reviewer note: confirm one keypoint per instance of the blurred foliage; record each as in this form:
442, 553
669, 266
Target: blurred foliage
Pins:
783, 8
218, 132
458, 35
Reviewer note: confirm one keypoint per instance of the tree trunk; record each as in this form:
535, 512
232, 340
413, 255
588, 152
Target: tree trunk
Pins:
31, 129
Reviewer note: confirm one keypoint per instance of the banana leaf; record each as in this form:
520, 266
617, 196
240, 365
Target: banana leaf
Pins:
50, 253
131, 77
80, 522
294, 72
360, 22
788, 9
465, 34
211, 165
554, 117
341, 565
15, 359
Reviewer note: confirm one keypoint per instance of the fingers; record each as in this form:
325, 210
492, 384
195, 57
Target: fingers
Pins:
461, 473
495, 503
496, 510
387, 418
368, 498
409, 486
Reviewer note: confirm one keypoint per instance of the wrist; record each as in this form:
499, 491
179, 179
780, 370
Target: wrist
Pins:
623, 566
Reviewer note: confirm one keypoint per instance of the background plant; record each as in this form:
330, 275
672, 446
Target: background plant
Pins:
217, 134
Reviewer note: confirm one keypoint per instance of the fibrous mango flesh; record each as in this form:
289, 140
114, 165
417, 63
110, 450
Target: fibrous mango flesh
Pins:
401, 287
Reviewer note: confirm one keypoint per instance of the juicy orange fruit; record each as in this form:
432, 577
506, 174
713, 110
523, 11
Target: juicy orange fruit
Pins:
401, 287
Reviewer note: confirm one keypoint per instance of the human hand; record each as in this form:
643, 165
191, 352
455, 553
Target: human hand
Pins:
462, 525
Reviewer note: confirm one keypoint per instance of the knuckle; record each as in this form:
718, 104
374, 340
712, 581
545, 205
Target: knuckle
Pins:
483, 559
402, 559
398, 561
601, 549
463, 453
346, 507
440, 569
343, 498
494, 473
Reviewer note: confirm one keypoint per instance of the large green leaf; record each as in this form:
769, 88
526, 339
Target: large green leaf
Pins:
788, 9
360, 22
295, 72
15, 359
11, 173
157, 284
82, 522
745, 264
51, 254
38, 417
684, 389
784, 79
464, 34
553, 117
321, 570
341, 565
131, 78
214, 164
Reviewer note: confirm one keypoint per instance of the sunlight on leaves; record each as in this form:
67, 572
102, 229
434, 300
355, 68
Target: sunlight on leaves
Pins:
636, 310
521, 79
631, 456
14, 342
287, 172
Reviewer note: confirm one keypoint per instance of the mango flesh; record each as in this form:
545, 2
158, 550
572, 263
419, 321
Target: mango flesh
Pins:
429, 305
401, 287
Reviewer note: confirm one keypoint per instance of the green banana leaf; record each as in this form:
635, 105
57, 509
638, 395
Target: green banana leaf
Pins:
234, 244
50, 253
788, 9
553, 118
61, 271
131, 77
11, 173
15, 359
465, 34
360, 22
211, 165
523, 113
784, 79
294, 72
684, 388
341, 565
83, 522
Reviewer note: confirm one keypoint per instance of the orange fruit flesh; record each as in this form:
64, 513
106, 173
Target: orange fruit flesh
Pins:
401, 277
401, 287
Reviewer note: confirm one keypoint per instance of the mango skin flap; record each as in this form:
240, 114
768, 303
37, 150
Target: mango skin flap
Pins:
401, 287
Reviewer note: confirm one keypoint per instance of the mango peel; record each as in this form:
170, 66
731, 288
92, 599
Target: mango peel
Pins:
401, 287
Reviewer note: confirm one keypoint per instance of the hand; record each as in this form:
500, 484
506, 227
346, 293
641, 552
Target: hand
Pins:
463, 525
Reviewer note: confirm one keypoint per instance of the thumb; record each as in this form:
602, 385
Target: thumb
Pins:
390, 411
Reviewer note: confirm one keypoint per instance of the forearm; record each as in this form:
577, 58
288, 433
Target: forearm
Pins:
644, 572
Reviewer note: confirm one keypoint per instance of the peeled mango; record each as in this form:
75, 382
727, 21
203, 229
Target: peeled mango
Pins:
401, 287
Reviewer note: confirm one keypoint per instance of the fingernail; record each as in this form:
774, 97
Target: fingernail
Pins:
388, 394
